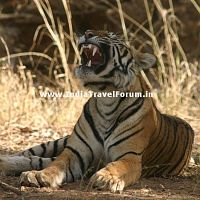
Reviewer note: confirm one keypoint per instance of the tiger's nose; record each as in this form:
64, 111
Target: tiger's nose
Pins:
89, 34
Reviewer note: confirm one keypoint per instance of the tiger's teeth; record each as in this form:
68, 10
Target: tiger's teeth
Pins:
81, 51
90, 46
89, 63
94, 51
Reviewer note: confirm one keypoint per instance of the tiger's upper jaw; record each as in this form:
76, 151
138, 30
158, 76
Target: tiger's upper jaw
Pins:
97, 60
92, 55
94, 47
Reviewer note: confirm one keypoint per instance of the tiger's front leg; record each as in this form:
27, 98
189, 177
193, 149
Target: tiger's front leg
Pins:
69, 166
65, 168
118, 174
84, 148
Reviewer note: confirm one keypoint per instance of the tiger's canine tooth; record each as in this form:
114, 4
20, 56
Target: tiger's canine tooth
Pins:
81, 50
89, 63
90, 46
94, 51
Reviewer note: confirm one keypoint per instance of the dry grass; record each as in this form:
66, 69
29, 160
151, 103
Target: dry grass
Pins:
21, 104
179, 80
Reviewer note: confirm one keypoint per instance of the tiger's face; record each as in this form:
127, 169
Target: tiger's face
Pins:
106, 62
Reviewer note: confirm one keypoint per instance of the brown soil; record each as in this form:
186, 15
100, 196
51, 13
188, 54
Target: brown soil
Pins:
153, 188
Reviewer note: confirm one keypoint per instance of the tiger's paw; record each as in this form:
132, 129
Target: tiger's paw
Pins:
104, 179
44, 178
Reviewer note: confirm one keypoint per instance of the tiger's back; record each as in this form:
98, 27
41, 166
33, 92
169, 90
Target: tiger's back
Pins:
169, 149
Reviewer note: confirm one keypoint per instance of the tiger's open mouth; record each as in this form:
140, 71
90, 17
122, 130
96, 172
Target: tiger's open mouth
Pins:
91, 55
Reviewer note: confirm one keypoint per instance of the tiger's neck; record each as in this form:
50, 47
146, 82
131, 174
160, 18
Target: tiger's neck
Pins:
115, 104
138, 86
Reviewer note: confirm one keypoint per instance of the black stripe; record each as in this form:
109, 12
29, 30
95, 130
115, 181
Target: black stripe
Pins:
183, 154
109, 74
172, 149
82, 166
128, 62
107, 83
32, 151
31, 162
55, 148
114, 109
100, 114
188, 154
103, 87
121, 79
165, 142
113, 49
98, 111
91, 151
115, 64
90, 121
125, 53
158, 146
139, 102
40, 163
132, 127
81, 129
118, 120
52, 158
129, 152
99, 69
119, 57
44, 149
163, 165
123, 139
65, 142
70, 171
108, 103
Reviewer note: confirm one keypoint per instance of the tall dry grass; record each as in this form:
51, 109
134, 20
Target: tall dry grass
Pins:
178, 78
21, 104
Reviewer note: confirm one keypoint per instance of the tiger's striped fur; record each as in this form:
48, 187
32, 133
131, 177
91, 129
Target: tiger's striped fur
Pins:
128, 133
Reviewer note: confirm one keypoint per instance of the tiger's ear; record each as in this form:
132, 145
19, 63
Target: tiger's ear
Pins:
145, 61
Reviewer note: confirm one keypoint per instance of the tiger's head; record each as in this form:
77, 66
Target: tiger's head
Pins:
107, 63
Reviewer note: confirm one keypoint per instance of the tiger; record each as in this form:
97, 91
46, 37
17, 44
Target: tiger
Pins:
116, 140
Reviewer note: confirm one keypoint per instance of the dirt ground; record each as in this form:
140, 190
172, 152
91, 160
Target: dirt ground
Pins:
15, 138
153, 188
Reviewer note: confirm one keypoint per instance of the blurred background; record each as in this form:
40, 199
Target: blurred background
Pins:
20, 19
